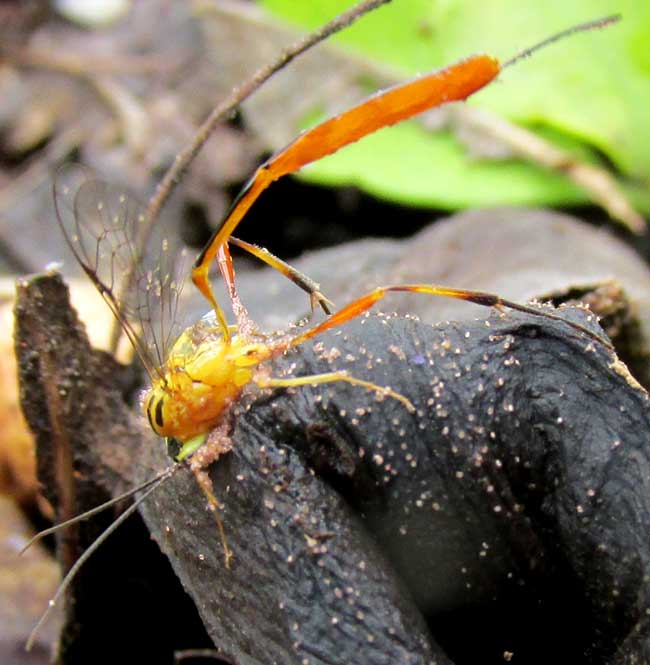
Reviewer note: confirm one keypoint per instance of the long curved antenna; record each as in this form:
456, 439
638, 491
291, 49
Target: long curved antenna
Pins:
582, 27
98, 509
71, 574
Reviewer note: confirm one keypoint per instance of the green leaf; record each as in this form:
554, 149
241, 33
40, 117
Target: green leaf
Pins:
591, 90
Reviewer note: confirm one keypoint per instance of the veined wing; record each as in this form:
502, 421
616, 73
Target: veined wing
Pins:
102, 224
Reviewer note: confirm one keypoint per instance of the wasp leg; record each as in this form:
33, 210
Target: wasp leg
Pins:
365, 302
331, 377
302, 281
203, 479
456, 82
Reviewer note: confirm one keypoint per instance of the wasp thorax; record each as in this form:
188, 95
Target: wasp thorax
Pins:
198, 383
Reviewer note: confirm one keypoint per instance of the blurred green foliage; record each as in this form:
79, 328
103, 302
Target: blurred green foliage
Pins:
590, 93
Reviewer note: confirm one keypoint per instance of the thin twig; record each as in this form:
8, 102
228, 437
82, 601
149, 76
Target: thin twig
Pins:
187, 654
600, 185
84, 64
130, 113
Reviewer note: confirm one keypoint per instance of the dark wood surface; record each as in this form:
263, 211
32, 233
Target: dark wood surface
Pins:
509, 515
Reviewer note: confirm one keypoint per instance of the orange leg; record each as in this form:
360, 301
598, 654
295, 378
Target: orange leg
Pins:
386, 108
364, 303
301, 280
227, 271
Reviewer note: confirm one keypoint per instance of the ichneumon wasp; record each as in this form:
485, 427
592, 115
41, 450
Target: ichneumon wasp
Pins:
198, 373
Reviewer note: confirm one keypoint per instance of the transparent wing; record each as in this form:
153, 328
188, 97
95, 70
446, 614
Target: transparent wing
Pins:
103, 225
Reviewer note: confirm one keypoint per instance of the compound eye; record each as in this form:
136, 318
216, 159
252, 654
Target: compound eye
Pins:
155, 412
159, 413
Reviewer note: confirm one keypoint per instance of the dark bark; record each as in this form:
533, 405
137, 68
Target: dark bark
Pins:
510, 514
118, 609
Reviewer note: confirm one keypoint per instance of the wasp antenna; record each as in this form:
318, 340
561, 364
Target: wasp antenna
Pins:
582, 27
98, 509
65, 583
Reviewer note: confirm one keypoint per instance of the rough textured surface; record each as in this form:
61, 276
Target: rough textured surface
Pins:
86, 438
509, 515
512, 507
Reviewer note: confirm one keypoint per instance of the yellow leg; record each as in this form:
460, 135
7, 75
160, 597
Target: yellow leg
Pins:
302, 281
331, 377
